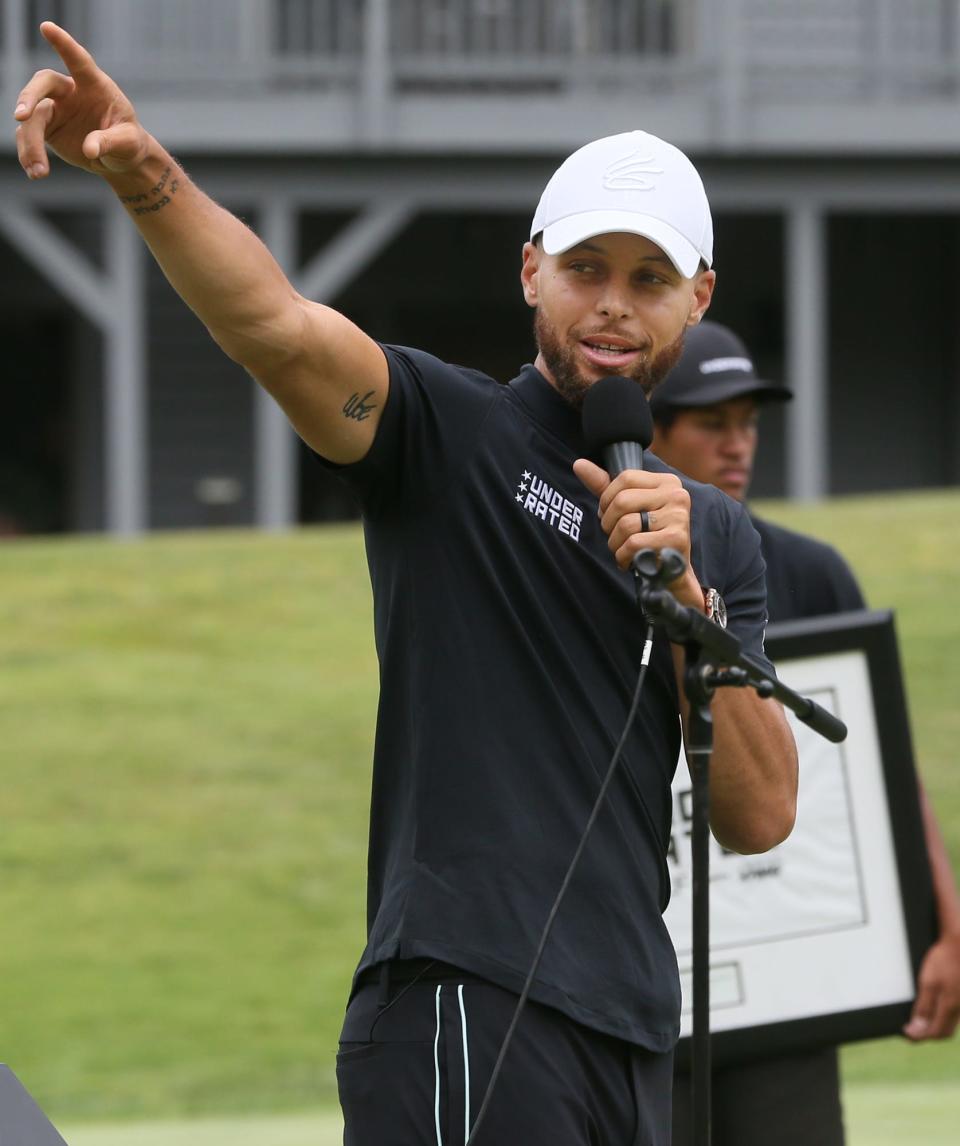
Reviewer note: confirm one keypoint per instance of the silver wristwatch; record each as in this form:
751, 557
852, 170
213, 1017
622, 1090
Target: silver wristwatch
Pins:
714, 607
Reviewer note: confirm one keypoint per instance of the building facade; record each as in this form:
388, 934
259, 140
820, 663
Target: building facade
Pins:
391, 152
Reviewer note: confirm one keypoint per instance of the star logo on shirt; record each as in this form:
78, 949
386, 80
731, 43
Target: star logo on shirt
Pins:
546, 502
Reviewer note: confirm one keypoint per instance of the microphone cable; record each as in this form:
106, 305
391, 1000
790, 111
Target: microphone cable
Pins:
601, 796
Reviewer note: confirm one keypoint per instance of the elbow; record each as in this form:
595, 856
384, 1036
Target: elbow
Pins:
763, 830
261, 354
756, 809
264, 344
766, 835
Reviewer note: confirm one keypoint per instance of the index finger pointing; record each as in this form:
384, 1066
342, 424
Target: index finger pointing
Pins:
76, 57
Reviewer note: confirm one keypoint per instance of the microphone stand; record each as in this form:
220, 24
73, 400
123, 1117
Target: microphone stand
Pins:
712, 660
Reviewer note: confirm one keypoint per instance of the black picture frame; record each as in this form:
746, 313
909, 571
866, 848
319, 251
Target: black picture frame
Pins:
871, 634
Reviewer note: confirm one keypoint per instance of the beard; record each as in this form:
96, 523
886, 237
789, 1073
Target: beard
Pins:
572, 385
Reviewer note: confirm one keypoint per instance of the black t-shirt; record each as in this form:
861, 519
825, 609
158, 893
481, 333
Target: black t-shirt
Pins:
805, 577
509, 646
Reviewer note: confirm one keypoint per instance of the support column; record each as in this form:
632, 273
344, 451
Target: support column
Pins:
352, 249
808, 462
275, 443
66, 268
376, 78
730, 34
114, 301
125, 380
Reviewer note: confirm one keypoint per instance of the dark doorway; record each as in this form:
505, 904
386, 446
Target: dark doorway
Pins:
34, 445
894, 352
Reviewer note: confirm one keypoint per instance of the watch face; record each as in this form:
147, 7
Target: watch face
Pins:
716, 607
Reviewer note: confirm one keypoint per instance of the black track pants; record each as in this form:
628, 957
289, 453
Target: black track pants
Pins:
415, 1058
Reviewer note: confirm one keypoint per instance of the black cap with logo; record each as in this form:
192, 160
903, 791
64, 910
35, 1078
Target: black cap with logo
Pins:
714, 367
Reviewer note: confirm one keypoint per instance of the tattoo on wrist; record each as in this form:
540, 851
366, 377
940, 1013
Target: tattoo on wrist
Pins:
144, 195
162, 202
158, 197
358, 408
163, 182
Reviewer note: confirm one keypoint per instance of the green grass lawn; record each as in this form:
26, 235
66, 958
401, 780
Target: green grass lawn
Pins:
888, 1115
187, 726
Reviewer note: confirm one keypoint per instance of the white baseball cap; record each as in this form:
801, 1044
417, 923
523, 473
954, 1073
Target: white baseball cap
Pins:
632, 182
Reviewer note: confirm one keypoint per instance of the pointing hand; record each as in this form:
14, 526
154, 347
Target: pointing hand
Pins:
83, 117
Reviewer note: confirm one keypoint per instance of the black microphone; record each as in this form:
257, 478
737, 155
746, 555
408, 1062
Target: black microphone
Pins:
617, 423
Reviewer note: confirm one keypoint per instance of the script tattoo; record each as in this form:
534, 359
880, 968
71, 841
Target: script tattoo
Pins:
160, 193
163, 182
357, 408
160, 203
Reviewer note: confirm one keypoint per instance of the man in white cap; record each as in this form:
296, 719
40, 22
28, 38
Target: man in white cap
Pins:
507, 632
706, 416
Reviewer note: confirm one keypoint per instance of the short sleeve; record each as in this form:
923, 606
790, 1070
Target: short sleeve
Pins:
727, 557
745, 595
430, 425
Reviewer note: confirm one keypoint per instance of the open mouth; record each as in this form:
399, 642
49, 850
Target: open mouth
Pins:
609, 352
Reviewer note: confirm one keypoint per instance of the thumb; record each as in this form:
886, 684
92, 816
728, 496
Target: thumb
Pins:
923, 1010
593, 477
118, 148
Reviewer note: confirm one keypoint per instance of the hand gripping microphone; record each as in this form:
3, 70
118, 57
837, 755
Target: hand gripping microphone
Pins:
617, 428
617, 423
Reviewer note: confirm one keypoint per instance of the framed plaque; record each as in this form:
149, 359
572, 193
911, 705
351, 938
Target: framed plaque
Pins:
819, 940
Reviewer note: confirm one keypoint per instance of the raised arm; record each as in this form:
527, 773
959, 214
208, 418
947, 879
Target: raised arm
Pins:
329, 377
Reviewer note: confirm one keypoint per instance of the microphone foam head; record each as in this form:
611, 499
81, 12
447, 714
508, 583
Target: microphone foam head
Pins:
615, 409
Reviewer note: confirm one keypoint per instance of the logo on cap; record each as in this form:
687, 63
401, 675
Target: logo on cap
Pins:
629, 173
721, 365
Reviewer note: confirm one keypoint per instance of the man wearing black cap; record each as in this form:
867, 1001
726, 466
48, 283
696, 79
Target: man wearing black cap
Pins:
706, 415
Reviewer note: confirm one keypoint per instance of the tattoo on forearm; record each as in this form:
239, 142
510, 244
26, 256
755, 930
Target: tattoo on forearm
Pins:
161, 194
163, 182
160, 203
153, 190
358, 408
